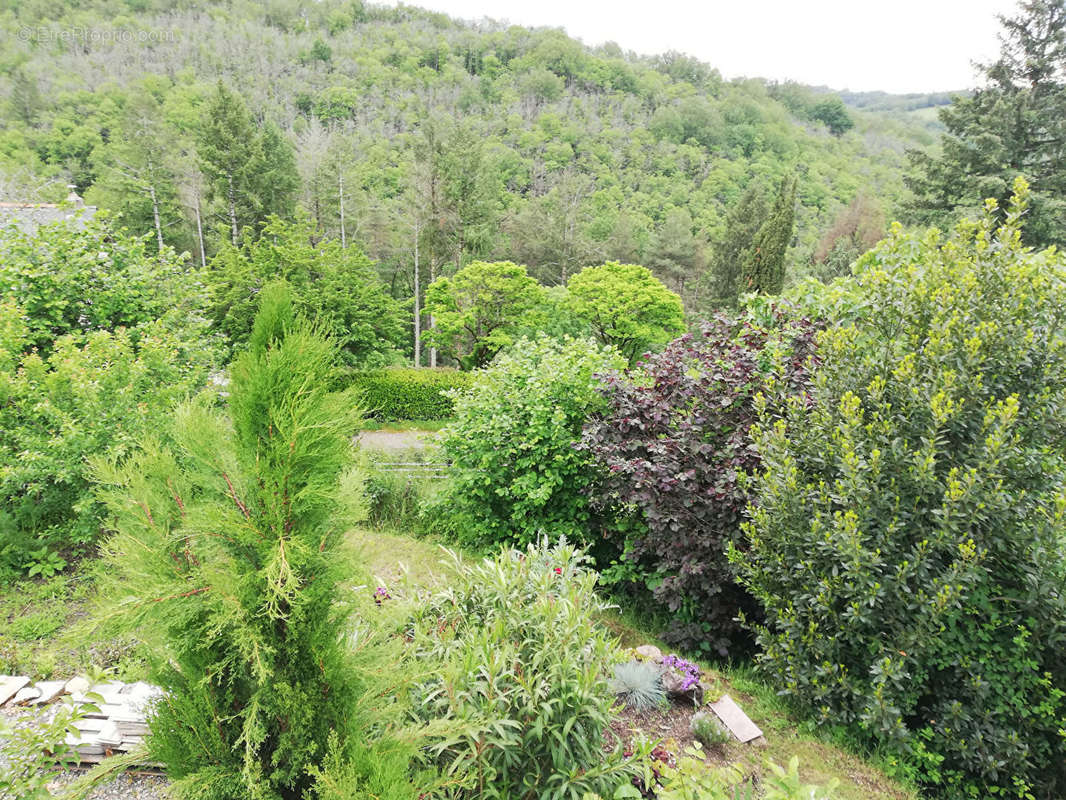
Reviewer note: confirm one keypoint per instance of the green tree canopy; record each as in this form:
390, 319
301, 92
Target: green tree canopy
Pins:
1014, 125
338, 285
251, 172
74, 280
478, 311
626, 307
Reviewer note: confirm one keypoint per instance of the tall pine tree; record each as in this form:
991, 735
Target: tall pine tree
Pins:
1014, 125
229, 151
251, 172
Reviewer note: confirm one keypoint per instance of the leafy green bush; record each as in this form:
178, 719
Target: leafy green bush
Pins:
337, 285
229, 552
520, 702
907, 544
515, 472
77, 280
691, 779
91, 393
400, 393
31, 751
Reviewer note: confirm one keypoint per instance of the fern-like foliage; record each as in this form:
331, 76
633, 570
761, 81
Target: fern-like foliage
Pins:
639, 684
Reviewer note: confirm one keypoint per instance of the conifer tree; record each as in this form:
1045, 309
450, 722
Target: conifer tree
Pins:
742, 224
1014, 125
763, 263
228, 546
230, 152
136, 170
276, 177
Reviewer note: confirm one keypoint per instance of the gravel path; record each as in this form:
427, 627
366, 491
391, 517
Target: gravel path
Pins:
129, 786
396, 441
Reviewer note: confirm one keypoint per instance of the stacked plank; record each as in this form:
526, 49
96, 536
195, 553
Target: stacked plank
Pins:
113, 715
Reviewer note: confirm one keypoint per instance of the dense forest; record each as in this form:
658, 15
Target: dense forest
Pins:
414, 136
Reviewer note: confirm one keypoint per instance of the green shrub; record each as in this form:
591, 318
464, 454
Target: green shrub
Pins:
515, 471
520, 702
75, 280
907, 543
229, 553
401, 393
689, 777
708, 730
92, 393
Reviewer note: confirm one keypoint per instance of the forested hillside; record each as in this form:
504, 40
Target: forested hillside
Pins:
391, 126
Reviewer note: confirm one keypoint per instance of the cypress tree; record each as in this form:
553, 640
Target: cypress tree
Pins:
763, 263
742, 224
229, 548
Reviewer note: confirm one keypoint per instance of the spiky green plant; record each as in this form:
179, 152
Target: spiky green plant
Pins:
228, 544
638, 684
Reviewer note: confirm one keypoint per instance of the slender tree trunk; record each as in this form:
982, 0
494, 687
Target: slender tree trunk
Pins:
233, 212
418, 306
432, 321
200, 232
344, 244
155, 217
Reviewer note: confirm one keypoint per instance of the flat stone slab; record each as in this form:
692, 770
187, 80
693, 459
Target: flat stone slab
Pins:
25, 695
10, 686
77, 685
50, 690
738, 723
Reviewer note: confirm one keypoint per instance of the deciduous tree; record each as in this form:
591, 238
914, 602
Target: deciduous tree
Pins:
479, 310
626, 307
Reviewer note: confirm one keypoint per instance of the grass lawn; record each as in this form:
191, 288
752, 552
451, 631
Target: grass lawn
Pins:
43, 636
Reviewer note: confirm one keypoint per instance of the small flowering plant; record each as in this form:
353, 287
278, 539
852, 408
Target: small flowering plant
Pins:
381, 594
687, 673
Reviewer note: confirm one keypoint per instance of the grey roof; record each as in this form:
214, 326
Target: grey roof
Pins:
30, 216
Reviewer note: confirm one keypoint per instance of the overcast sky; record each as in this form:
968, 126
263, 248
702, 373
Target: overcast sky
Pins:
893, 45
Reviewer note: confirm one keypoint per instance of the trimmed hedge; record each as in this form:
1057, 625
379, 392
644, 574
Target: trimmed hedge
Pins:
399, 393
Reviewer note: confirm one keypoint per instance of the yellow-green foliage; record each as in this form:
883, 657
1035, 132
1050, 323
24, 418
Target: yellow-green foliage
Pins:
229, 552
626, 307
907, 544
